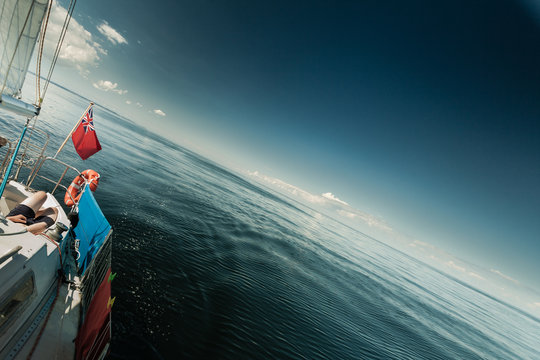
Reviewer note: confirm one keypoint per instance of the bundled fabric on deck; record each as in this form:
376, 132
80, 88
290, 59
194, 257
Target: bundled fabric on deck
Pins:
92, 229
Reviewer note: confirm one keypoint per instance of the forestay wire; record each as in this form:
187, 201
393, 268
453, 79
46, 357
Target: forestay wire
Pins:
56, 52
39, 100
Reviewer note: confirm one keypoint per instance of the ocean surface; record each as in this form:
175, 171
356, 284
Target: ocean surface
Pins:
213, 266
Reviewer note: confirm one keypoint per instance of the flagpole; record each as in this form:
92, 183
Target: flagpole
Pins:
72, 130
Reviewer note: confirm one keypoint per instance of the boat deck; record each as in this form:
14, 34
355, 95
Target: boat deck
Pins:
31, 293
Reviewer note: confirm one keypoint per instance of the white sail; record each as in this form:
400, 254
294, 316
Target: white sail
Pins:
20, 23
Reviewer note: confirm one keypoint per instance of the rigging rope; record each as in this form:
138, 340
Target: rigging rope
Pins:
39, 100
58, 46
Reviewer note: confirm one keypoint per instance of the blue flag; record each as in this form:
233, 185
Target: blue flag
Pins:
92, 229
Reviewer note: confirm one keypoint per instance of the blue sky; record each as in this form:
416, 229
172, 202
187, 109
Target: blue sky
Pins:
422, 114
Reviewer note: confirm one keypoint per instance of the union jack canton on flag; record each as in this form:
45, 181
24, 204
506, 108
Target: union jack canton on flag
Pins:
88, 121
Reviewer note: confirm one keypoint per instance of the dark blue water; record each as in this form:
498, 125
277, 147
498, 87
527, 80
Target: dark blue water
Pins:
211, 266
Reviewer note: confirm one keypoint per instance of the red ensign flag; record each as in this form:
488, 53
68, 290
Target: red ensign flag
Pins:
84, 137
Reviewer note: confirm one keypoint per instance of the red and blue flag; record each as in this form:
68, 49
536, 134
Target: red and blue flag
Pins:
84, 137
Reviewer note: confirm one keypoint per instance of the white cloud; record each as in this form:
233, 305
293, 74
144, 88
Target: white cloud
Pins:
475, 275
138, 104
128, 102
106, 85
416, 243
462, 269
327, 200
79, 49
370, 220
159, 112
482, 279
455, 266
347, 214
504, 276
111, 34
331, 196
306, 196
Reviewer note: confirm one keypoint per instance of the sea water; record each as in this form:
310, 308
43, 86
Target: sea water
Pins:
213, 266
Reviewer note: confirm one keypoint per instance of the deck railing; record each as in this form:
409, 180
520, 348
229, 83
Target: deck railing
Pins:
8, 147
57, 183
31, 151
